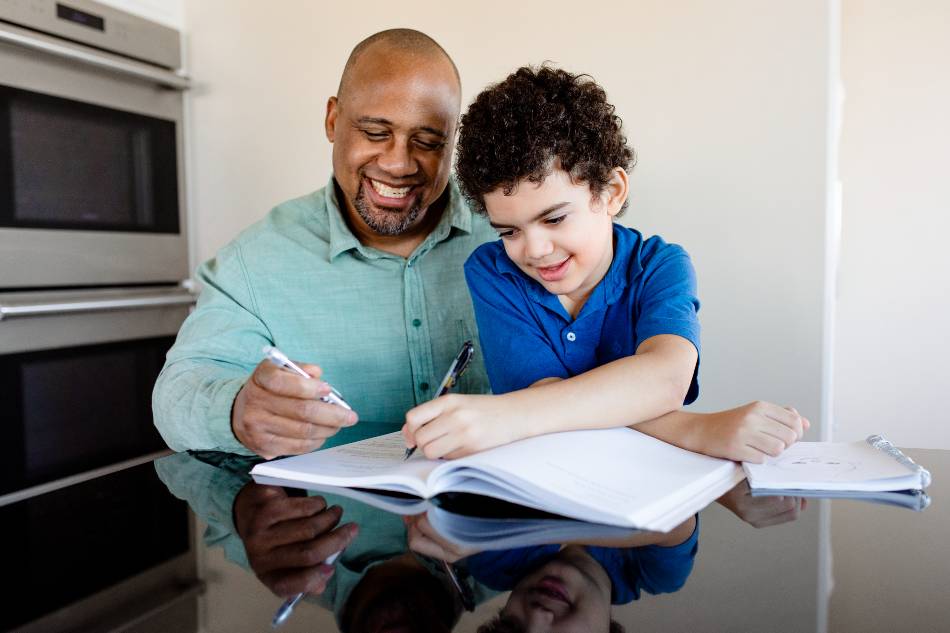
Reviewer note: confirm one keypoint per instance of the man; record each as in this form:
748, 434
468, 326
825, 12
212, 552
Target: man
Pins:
361, 281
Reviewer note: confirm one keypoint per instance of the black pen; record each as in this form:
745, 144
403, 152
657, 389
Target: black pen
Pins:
456, 369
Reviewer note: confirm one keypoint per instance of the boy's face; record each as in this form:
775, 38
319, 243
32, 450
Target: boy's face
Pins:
570, 593
557, 233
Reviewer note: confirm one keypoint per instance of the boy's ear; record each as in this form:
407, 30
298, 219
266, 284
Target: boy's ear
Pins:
615, 194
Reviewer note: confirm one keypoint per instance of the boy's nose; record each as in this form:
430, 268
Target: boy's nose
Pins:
538, 247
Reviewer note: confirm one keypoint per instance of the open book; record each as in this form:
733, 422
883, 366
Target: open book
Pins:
478, 522
874, 465
615, 476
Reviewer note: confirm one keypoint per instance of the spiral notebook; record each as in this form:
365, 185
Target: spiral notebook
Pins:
874, 465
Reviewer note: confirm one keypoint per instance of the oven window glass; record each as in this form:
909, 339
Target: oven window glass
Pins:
71, 410
66, 545
74, 165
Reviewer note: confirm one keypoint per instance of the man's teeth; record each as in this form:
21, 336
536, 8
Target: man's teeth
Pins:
389, 192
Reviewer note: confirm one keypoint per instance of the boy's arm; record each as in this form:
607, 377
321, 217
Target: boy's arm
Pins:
641, 387
748, 433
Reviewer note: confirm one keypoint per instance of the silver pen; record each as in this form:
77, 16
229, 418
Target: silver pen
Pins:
456, 369
288, 606
278, 358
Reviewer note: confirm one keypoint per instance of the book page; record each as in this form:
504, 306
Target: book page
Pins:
616, 476
375, 462
832, 466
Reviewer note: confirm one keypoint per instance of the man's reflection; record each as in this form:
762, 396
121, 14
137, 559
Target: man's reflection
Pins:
376, 584
287, 539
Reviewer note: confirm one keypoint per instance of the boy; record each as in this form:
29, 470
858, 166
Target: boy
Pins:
583, 323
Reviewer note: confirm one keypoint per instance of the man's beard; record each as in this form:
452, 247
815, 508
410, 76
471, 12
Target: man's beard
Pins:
385, 221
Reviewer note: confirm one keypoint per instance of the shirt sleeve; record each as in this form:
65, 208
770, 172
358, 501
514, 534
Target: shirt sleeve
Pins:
217, 348
652, 568
669, 305
517, 353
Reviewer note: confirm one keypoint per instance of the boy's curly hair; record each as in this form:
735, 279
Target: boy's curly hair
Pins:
514, 129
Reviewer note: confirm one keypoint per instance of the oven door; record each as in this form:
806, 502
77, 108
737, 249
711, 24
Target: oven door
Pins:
90, 170
77, 370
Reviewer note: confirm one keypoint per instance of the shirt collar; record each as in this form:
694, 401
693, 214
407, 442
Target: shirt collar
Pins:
457, 215
624, 269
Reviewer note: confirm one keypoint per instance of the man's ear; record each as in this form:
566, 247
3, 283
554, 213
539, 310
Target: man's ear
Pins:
615, 193
333, 110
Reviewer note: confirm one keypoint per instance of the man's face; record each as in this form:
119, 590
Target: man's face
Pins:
393, 132
569, 594
555, 233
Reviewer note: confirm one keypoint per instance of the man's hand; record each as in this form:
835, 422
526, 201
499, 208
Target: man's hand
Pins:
279, 413
760, 512
751, 432
287, 539
454, 425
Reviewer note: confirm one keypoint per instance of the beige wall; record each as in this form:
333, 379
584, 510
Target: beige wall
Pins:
727, 104
893, 290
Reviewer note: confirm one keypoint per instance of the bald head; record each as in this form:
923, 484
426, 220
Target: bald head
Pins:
405, 45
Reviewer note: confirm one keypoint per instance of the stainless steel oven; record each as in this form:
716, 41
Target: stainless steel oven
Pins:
93, 253
90, 148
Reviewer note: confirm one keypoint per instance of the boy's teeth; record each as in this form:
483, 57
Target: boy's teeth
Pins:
389, 192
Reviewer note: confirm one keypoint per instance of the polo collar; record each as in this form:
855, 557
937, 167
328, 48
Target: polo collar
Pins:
457, 216
624, 269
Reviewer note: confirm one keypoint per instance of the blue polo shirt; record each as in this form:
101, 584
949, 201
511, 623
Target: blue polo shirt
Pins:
651, 568
526, 334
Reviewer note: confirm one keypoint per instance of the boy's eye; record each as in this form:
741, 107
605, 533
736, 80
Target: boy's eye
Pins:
506, 234
555, 220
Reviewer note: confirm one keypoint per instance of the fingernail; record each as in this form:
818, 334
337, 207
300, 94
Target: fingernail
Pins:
326, 570
352, 417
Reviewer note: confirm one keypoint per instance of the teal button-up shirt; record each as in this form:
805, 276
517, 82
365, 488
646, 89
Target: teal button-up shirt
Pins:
383, 328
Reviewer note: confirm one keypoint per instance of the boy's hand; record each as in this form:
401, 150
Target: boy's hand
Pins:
760, 512
423, 538
751, 432
455, 425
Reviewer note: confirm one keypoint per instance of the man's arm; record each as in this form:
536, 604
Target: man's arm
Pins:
214, 394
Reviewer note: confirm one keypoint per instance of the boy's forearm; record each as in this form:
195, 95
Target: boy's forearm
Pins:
621, 393
679, 428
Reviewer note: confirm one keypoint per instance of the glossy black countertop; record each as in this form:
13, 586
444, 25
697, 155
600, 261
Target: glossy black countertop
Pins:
749, 563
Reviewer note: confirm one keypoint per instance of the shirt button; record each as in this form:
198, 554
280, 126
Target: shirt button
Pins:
424, 386
416, 323
571, 337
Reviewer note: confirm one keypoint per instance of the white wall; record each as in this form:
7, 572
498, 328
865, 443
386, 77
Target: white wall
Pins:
893, 291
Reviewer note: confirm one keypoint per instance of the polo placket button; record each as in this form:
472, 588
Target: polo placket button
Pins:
571, 337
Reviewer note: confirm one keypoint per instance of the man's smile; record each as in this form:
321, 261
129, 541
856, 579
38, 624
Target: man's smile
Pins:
388, 191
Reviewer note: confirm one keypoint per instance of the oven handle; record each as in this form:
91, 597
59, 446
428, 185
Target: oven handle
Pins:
24, 309
162, 77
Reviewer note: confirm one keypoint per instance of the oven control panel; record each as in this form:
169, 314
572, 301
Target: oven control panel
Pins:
97, 25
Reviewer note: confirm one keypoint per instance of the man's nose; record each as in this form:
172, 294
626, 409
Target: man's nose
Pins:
397, 159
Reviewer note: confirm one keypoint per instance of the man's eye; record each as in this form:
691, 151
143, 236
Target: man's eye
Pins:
374, 136
430, 145
556, 220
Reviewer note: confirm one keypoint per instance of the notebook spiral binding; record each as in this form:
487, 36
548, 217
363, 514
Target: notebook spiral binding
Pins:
881, 443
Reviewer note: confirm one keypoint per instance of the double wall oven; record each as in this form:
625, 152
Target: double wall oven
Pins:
93, 253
